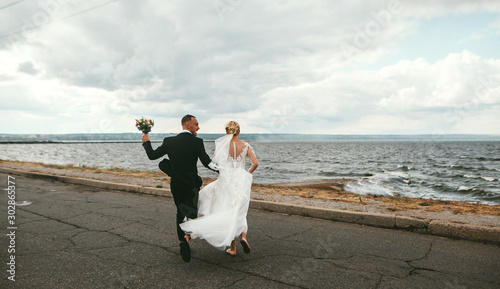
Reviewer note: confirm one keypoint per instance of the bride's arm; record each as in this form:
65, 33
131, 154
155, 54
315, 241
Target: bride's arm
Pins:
253, 159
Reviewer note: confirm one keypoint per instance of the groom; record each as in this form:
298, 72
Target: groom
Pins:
183, 150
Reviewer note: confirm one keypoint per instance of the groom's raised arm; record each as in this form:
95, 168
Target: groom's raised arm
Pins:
153, 154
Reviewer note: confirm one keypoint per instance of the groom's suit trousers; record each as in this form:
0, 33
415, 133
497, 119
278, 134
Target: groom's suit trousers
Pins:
186, 201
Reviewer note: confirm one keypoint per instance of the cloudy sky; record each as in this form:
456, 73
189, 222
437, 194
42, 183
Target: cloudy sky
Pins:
329, 67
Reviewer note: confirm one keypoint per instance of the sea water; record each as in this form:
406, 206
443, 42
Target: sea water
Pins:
466, 171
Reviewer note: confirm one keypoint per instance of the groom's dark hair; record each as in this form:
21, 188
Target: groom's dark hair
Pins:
186, 118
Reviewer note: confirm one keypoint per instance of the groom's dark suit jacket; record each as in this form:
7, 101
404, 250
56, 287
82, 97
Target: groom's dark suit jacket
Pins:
183, 150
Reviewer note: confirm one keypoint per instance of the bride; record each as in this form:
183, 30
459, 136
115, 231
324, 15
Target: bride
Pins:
223, 203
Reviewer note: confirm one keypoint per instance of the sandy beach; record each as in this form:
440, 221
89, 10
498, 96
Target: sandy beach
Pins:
321, 194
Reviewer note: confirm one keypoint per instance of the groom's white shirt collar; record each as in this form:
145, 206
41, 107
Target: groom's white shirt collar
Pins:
186, 131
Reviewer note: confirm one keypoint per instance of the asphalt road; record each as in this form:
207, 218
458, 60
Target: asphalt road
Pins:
73, 236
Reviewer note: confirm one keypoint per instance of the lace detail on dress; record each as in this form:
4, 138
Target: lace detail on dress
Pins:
243, 153
239, 161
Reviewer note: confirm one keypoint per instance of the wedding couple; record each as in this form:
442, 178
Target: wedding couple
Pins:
223, 204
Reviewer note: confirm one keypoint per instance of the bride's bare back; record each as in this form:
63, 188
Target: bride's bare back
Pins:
237, 147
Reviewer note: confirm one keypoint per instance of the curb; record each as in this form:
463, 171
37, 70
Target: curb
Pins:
91, 183
470, 232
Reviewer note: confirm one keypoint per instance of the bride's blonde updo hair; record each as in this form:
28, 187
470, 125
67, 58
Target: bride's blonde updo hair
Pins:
232, 127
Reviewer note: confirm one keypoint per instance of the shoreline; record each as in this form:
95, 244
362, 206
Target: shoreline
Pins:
317, 193
321, 200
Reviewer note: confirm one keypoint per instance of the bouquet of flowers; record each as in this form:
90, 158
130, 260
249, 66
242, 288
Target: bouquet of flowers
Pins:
144, 125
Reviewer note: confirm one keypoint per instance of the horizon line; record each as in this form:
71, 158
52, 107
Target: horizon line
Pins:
267, 133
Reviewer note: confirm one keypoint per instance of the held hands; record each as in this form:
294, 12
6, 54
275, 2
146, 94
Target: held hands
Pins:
214, 167
145, 137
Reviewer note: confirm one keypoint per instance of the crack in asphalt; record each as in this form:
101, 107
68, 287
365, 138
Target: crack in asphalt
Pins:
233, 283
221, 266
93, 230
67, 241
426, 255
168, 249
249, 273
379, 281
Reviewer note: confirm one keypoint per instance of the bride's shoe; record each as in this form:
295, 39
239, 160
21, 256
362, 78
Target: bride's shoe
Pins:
245, 245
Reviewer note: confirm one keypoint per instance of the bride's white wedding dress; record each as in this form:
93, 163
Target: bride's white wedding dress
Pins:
223, 203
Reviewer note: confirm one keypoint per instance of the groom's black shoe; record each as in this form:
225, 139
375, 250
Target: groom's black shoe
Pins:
185, 251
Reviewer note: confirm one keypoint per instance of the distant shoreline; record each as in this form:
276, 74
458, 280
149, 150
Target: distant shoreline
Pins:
70, 142
82, 141
136, 137
62, 139
30, 142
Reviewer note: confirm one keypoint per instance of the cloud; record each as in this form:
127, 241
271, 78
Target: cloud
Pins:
430, 9
461, 79
413, 92
27, 67
192, 46
291, 66
473, 37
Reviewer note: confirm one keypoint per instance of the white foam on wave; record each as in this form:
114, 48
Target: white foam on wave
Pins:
489, 179
465, 188
406, 167
368, 187
389, 176
384, 184
470, 177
